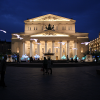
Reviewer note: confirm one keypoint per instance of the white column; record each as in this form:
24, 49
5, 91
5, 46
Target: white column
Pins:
45, 46
53, 49
38, 48
60, 50
68, 49
75, 48
23, 48
30, 48
52, 46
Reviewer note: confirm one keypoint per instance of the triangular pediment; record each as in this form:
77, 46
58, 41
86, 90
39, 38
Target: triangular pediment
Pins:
49, 17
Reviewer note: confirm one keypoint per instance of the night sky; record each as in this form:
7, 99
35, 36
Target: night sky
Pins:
14, 12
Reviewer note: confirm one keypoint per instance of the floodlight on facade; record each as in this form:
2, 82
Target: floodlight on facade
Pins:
63, 57
38, 43
34, 40
18, 36
25, 56
3, 31
56, 47
37, 56
74, 48
86, 43
63, 43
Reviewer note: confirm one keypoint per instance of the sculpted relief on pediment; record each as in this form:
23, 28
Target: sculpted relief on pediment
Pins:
50, 17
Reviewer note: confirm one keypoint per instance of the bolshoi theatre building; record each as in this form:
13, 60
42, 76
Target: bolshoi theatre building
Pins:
50, 33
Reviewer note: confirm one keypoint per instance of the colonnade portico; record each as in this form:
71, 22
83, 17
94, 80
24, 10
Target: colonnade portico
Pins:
51, 47
47, 32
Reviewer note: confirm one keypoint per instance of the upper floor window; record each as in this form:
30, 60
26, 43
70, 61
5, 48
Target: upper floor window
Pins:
64, 28
42, 27
30, 28
70, 28
34, 28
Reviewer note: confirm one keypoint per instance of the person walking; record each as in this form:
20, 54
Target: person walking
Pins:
17, 58
44, 65
3, 70
49, 65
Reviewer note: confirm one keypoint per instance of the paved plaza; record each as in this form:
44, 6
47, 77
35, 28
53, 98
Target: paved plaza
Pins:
70, 83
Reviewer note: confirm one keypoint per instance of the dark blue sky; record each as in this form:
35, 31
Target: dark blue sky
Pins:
14, 12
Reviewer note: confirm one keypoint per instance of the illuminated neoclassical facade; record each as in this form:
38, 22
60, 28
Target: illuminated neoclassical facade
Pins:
51, 33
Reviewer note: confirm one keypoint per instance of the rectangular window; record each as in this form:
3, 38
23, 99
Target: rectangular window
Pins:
70, 28
65, 28
49, 50
42, 50
42, 27
17, 50
56, 50
81, 49
35, 50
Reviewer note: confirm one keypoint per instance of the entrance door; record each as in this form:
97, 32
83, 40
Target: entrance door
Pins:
56, 57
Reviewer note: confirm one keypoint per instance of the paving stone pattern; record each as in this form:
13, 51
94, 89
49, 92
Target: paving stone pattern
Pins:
70, 83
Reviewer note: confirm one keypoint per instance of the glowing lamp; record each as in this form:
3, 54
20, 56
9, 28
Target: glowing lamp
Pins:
3, 31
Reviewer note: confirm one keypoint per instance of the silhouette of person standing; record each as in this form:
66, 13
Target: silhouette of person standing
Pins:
17, 58
3, 70
45, 64
49, 65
